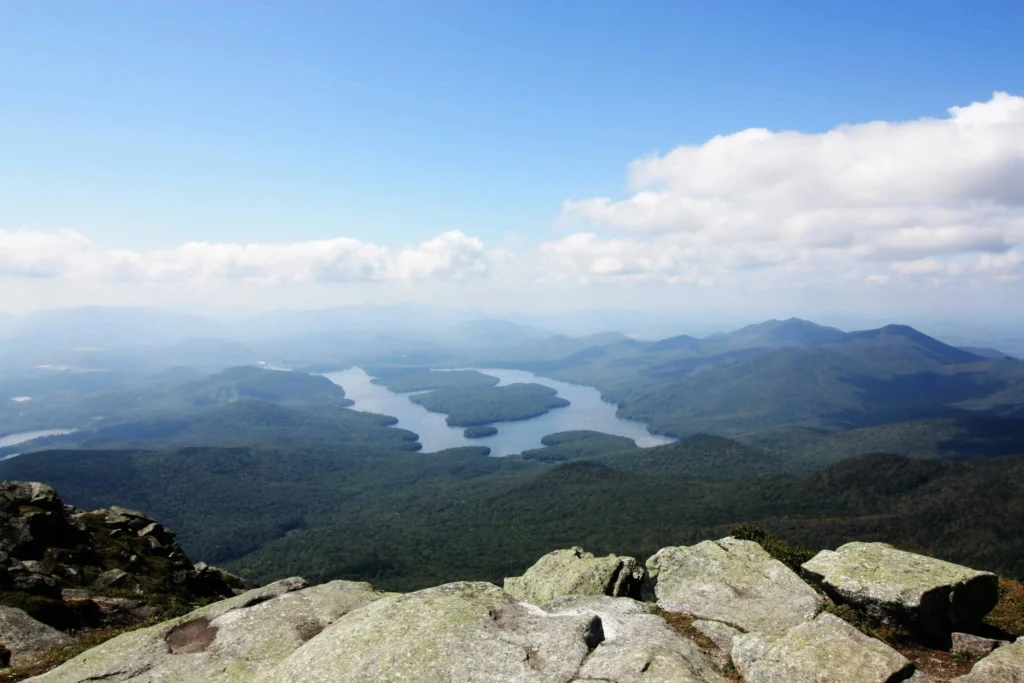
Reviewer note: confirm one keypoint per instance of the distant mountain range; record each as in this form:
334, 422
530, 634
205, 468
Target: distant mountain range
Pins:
772, 375
781, 423
789, 373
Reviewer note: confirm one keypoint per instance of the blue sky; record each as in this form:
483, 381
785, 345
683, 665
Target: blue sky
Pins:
145, 125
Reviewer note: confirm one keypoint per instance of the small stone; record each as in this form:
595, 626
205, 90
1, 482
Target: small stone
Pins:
122, 518
111, 579
74, 594
975, 646
33, 566
34, 584
157, 531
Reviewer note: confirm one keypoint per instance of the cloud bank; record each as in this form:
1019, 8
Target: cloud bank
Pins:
867, 205
908, 198
451, 255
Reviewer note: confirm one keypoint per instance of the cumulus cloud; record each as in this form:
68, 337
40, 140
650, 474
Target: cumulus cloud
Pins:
858, 197
451, 255
871, 205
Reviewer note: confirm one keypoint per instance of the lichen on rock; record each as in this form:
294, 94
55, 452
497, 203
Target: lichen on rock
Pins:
459, 632
732, 581
825, 649
25, 638
929, 597
576, 572
239, 639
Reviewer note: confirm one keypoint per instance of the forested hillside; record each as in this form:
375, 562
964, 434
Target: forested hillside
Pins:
405, 520
781, 424
792, 373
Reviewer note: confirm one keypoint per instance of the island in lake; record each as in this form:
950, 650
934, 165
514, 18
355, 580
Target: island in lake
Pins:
475, 406
479, 432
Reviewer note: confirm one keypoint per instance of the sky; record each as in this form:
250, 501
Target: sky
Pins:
784, 158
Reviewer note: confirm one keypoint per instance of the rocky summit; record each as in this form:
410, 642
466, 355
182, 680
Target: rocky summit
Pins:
65, 570
928, 596
716, 612
734, 582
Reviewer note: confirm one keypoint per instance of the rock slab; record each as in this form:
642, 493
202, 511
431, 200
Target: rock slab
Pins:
639, 647
27, 638
976, 646
825, 649
732, 581
240, 639
576, 572
458, 633
1005, 665
465, 632
930, 597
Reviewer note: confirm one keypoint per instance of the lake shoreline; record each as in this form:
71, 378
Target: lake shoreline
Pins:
587, 410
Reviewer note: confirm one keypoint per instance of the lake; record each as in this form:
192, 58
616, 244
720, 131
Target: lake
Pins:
22, 437
586, 410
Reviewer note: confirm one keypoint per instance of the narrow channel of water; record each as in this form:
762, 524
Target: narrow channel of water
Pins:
586, 410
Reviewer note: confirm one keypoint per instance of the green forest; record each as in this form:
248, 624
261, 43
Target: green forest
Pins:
472, 406
817, 435
405, 520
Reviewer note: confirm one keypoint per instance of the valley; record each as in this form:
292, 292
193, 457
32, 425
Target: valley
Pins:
368, 473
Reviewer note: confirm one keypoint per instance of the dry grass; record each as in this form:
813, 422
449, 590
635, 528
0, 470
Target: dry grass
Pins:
1008, 615
683, 625
939, 665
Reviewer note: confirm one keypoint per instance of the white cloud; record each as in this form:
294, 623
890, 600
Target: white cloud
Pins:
861, 208
925, 266
67, 254
854, 198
